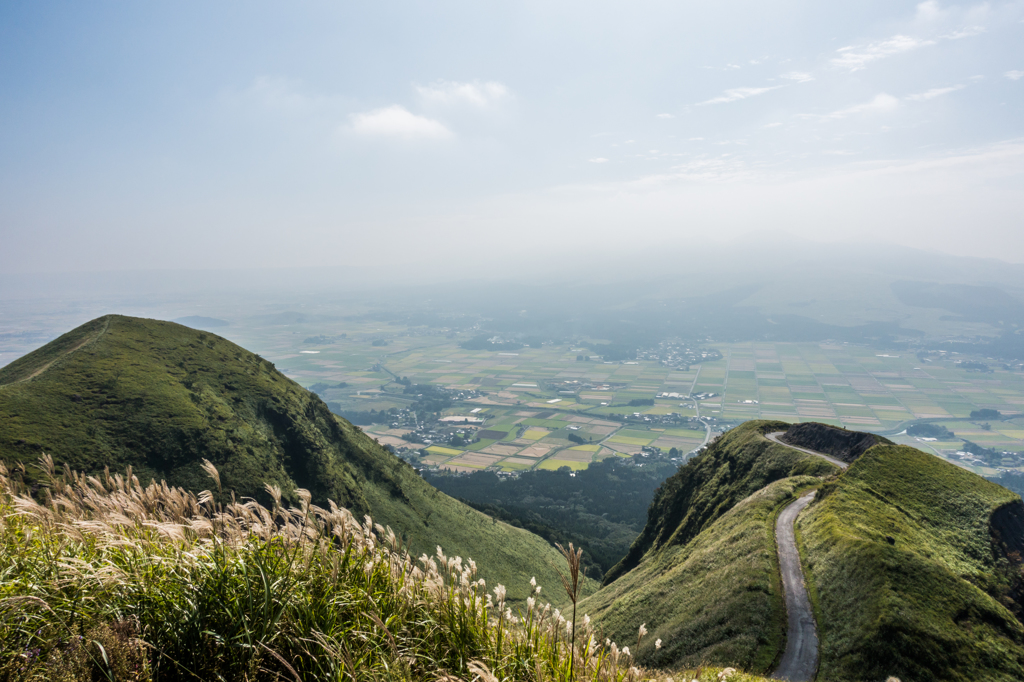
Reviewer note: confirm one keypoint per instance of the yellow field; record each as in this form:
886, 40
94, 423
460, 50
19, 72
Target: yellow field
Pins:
626, 440
552, 464
533, 434
438, 450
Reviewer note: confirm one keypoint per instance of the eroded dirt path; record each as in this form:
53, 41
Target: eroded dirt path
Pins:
84, 342
800, 660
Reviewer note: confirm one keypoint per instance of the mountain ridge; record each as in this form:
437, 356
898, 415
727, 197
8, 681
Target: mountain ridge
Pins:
161, 397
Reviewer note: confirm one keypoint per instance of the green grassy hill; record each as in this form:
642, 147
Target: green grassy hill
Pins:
716, 599
916, 564
736, 465
159, 397
707, 580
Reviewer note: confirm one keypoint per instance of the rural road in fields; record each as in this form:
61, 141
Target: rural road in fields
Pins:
774, 437
800, 660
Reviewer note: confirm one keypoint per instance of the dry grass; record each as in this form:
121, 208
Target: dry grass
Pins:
102, 578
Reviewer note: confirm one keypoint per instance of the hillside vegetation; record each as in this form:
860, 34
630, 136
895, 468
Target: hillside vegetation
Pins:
913, 577
601, 508
717, 599
112, 580
735, 466
122, 392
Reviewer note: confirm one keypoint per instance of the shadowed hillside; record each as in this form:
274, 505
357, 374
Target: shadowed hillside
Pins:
842, 444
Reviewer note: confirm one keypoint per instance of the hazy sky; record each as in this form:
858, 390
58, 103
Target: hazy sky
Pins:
458, 134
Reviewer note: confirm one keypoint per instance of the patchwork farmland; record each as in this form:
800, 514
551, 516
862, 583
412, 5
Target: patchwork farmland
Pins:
532, 399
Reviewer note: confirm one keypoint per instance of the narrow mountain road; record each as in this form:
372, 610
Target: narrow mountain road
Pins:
774, 437
800, 660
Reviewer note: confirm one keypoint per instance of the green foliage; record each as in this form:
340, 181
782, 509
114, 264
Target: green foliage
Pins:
927, 430
900, 553
736, 465
112, 580
158, 397
985, 413
713, 600
601, 508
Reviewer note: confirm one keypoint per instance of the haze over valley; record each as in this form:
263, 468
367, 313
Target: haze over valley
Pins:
545, 342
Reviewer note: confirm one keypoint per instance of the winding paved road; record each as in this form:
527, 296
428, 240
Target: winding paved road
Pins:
774, 437
800, 660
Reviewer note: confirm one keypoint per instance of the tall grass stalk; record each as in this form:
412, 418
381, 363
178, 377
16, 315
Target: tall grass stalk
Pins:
104, 578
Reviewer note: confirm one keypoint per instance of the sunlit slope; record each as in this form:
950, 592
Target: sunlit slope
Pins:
736, 465
160, 397
706, 582
916, 563
716, 599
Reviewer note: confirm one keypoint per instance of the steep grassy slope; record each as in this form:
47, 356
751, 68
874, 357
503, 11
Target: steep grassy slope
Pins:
910, 583
736, 465
716, 599
159, 397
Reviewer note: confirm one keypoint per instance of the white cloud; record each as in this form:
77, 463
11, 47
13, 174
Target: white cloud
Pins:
797, 76
882, 103
1014, 75
396, 121
930, 12
933, 93
856, 58
476, 94
599, 159
967, 32
665, 116
737, 94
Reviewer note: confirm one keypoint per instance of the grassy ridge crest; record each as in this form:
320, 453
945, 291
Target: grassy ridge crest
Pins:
909, 581
159, 397
733, 467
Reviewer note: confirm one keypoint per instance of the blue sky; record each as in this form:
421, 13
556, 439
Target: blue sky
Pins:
216, 134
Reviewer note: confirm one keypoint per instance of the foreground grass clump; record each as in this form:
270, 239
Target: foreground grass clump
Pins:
104, 579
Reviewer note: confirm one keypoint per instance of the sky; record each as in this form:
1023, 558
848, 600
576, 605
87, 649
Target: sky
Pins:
446, 136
